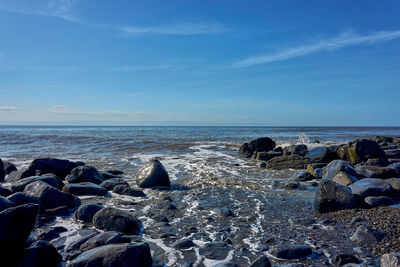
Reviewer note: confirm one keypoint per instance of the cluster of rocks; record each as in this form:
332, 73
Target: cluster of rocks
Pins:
50, 188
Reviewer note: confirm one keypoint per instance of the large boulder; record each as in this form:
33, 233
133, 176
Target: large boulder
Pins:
371, 187
105, 238
124, 255
344, 178
85, 188
361, 150
16, 225
318, 154
295, 149
9, 167
85, 174
4, 192
262, 144
86, 212
290, 251
288, 162
153, 174
376, 171
265, 156
112, 219
59, 167
331, 196
393, 153
50, 196
5, 203
49, 179
336, 166
2, 171
40, 253
21, 198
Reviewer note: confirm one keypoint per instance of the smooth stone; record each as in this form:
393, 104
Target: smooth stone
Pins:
107, 175
376, 172
128, 191
342, 259
361, 150
331, 196
112, 219
262, 144
336, 166
40, 253
152, 175
313, 166
50, 233
379, 201
371, 187
85, 188
2, 171
105, 238
290, 251
50, 179
84, 174
9, 167
318, 154
21, 198
86, 212
183, 244
59, 167
344, 178
390, 260
288, 162
265, 156
261, 261
4, 192
78, 243
5, 203
214, 250
296, 149
302, 176
366, 236
111, 183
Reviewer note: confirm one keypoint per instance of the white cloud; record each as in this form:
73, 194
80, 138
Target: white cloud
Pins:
8, 108
343, 40
142, 68
61, 110
176, 29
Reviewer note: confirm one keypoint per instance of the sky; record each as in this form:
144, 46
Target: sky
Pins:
219, 62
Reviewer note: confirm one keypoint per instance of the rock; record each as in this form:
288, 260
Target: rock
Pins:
49, 179
226, 264
132, 255
20, 198
311, 167
153, 174
288, 162
50, 233
265, 156
112, 219
344, 178
128, 191
261, 261
9, 167
86, 212
301, 176
318, 154
105, 238
6, 203
371, 187
318, 173
303, 221
2, 171
390, 260
85, 174
291, 185
342, 259
14, 233
383, 139
40, 253
361, 150
224, 212
58, 211
115, 172
85, 188
290, 252
4, 192
336, 166
183, 244
366, 236
379, 201
78, 243
17, 175
377, 162
50, 196
377, 172
59, 167
262, 144
395, 183
107, 175
295, 149
331, 196
396, 167
393, 153
214, 250
111, 183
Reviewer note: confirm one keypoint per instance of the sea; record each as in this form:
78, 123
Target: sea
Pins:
208, 174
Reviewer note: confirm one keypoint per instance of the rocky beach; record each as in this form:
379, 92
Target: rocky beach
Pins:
168, 197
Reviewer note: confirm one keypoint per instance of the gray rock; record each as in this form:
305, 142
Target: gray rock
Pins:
318, 173
395, 183
331, 196
342, 259
111, 183
376, 172
128, 191
344, 178
393, 153
336, 166
301, 176
78, 243
152, 175
262, 144
107, 175
288, 162
59, 167
261, 261
371, 187
105, 238
265, 156
40, 253
361, 150
366, 236
85, 188
9, 167
20, 198
313, 166
290, 252
50, 179
318, 154
86, 212
377, 162
379, 201
2, 171
183, 244
5, 203
132, 255
390, 260
112, 219
85, 174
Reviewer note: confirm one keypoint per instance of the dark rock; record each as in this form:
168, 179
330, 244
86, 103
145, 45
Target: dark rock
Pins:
338, 166
20, 198
225, 212
395, 183
261, 261
4, 192
2, 171
50, 196
112, 219
78, 243
383, 139
58, 211
214, 250
288, 162
107, 175
111, 183
153, 174
105, 238
366, 236
377, 172
14, 233
262, 144
390, 260
40, 254
5, 203
267, 155
17, 175
379, 201
290, 251
295, 149
377, 162
318, 173
59, 167
396, 167
85, 188
115, 172
183, 244
371, 187
85, 174
302, 221
132, 255
165, 205
342, 259
9, 167
263, 165
344, 178
331, 196
393, 153
50, 179
44, 219
226, 264
301, 176
361, 150
318, 154
128, 191
291, 185
50, 233
313, 166
86, 212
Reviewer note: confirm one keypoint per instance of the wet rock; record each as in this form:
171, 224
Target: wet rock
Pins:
262, 144
85, 188
395, 183
2, 171
59, 167
313, 166
361, 150
371, 187
17, 175
16, 225
301, 176
288, 162
115, 172
290, 251
265, 156
50, 196
44, 219
377, 162
20, 198
226, 264
153, 174
128, 191
263, 165
366, 236
295, 150
50, 233
303, 221
40, 253
377, 172
86, 212
342, 259
183, 244
390, 260
49, 179
108, 175
4, 192
111, 183
78, 243
58, 211
336, 166
132, 255
9, 167
379, 201
6, 203
331, 196
214, 250
112, 219
224, 212
85, 174
383, 139
105, 238
165, 205
318, 154
393, 153
344, 178
261, 261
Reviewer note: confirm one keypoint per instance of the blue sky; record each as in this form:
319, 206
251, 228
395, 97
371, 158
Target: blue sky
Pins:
200, 62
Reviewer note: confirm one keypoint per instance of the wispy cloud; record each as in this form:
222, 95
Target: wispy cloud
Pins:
142, 68
343, 40
59, 109
8, 108
176, 29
